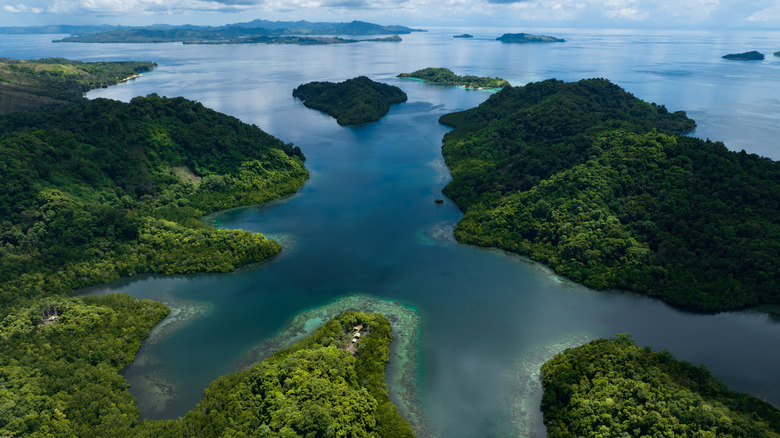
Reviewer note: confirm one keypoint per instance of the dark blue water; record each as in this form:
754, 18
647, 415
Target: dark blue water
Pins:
366, 221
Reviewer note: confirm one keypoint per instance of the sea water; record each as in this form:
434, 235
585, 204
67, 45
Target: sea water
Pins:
366, 222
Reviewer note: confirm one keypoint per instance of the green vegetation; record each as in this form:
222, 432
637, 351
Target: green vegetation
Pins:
445, 76
747, 56
234, 33
91, 192
315, 388
352, 102
612, 388
60, 364
528, 38
594, 182
31, 85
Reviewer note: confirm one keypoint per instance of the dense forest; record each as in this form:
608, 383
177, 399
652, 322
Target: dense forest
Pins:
49, 82
323, 386
107, 189
59, 377
612, 388
445, 76
102, 188
598, 184
352, 102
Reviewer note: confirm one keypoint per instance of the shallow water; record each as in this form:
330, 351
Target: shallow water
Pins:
366, 222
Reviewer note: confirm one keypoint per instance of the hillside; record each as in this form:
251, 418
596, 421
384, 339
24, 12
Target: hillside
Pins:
611, 387
106, 189
56, 82
597, 184
352, 102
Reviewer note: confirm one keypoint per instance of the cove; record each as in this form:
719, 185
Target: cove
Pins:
366, 224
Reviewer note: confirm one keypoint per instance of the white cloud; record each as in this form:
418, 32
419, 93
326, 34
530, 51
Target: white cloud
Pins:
768, 14
20, 8
472, 12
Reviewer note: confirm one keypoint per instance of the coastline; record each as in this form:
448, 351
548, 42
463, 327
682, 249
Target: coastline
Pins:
402, 371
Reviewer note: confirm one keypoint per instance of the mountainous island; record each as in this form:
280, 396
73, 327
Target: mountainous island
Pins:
262, 31
465, 35
597, 184
55, 82
747, 56
445, 76
611, 387
299, 40
355, 101
528, 38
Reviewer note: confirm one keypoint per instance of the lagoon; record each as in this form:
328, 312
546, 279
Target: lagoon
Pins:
366, 222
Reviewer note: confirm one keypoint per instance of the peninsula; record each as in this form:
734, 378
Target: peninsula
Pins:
56, 82
352, 102
528, 38
444, 76
612, 386
747, 56
598, 184
233, 33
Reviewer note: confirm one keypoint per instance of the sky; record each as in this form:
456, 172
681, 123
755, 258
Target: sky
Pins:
695, 14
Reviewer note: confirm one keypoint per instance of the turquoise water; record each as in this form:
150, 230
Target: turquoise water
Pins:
366, 222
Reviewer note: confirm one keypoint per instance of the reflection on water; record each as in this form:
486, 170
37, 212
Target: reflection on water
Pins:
366, 221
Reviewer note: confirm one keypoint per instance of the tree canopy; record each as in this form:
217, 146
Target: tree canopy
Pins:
612, 388
445, 76
352, 102
599, 185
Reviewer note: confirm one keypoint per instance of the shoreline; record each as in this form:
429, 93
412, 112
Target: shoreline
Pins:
402, 372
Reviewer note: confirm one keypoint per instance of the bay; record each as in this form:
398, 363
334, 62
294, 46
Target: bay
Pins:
366, 222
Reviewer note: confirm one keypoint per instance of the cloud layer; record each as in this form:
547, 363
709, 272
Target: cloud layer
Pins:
475, 12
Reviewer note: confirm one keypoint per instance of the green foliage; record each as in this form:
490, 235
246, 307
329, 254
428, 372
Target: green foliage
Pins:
315, 388
352, 102
612, 388
89, 193
445, 76
29, 85
60, 363
593, 182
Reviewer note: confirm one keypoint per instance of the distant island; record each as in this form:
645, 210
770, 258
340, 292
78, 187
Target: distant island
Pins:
444, 76
353, 102
599, 185
54, 82
232, 34
747, 56
528, 38
465, 35
611, 387
299, 40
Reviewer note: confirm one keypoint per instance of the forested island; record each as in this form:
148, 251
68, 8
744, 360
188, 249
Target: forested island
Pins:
528, 38
299, 40
465, 35
611, 387
55, 82
445, 76
598, 184
234, 33
355, 101
747, 56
